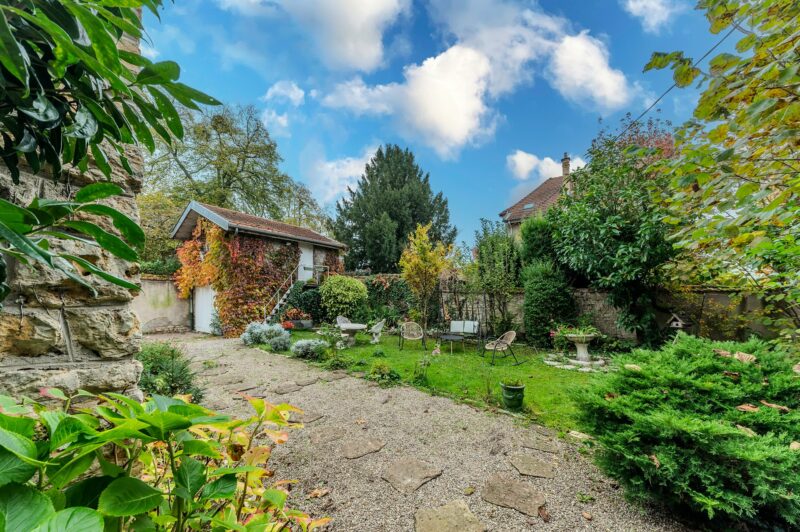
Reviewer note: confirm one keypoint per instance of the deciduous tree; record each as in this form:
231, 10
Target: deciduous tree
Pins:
421, 264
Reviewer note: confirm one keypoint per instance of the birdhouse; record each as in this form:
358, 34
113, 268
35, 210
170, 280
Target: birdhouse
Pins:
676, 322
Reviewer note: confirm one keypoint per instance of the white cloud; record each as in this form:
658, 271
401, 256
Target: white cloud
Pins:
348, 33
328, 180
277, 124
166, 37
580, 70
285, 90
440, 101
148, 51
523, 164
654, 14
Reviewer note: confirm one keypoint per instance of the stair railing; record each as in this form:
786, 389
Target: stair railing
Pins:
279, 293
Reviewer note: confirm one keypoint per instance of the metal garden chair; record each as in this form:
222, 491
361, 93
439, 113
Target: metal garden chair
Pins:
412, 331
502, 345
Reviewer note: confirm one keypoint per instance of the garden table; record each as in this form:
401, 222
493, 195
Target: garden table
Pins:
450, 337
349, 331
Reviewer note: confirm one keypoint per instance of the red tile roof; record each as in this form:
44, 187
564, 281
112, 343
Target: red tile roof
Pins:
257, 224
537, 201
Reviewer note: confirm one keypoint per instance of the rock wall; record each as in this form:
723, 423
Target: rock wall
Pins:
53, 332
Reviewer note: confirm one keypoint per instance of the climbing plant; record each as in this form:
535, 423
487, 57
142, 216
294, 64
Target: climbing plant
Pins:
244, 271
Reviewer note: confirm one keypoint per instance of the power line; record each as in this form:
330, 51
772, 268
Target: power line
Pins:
650, 108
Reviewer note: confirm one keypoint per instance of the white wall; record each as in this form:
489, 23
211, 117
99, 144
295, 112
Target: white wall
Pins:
203, 308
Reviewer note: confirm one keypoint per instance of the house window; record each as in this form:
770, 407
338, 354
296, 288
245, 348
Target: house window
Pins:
528, 206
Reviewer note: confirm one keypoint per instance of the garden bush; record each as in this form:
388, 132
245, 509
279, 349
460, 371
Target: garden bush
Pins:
176, 466
310, 349
261, 333
166, 371
280, 343
707, 428
548, 300
342, 296
383, 374
536, 240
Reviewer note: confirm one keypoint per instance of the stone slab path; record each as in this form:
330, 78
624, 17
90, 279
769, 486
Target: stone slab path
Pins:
478, 488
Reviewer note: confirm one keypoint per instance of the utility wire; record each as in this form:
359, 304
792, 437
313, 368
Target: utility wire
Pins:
694, 65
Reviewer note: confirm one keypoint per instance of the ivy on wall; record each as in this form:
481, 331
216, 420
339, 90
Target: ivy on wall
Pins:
244, 271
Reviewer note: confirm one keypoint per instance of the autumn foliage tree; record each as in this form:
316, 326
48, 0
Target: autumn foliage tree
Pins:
735, 183
421, 264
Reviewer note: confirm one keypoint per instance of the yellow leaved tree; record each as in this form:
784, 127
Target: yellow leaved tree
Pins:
421, 264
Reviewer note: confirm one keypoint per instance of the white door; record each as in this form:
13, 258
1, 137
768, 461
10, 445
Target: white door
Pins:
306, 270
203, 308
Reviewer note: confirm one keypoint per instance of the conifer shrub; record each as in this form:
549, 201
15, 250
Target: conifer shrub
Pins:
548, 301
166, 371
708, 428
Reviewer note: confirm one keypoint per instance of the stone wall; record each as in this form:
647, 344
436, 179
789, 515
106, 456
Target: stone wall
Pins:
604, 316
159, 308
52, 331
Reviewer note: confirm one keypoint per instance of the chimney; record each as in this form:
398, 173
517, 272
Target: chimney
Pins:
565, 165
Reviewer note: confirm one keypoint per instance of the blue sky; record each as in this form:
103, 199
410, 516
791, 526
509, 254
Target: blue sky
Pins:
488, 94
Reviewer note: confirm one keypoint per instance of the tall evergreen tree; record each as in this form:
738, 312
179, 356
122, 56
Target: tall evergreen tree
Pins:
393, 196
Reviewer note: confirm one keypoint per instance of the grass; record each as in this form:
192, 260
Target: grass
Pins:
466, 376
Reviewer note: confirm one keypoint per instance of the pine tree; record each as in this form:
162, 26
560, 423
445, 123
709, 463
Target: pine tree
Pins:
393, 196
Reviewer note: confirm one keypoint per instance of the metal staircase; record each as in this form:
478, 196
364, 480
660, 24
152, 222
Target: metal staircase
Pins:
279, 297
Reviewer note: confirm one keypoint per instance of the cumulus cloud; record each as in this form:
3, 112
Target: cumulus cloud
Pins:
285, 90
328, 179
654, 14
580, 70
447, 100
440, 101
523, 165
348, 33
277, 124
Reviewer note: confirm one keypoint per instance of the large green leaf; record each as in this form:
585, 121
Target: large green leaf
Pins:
127, 227
85, 264
87, 492
167, 111
62, 472
128, 496
111, 243
77, 519
189, 478
24, 507
162, 423
24, 245
13, 469
105, 48
97, 191
222, 488
158, 73
11, 54
17, 444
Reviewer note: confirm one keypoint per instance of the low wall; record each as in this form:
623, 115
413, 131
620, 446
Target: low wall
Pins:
160, 309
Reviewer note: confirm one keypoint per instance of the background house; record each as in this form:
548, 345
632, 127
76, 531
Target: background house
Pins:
262, 259
538, 200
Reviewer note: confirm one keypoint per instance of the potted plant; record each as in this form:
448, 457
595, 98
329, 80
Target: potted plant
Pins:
581, 337
300, 319
513, 393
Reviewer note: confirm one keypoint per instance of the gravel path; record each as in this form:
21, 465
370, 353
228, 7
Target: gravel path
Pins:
469, 446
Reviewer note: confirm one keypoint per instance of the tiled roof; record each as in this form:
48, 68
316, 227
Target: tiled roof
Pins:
231, 220
536, 202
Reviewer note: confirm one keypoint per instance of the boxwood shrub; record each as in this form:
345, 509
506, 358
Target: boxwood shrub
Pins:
342, 296
708, 428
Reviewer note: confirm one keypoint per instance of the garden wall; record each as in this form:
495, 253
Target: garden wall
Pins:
159, 308
53, 332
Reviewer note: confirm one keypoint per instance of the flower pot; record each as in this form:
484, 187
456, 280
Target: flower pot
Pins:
302, 324
581, 342
513, 396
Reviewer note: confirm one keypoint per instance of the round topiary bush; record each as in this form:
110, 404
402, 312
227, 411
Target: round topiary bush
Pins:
342, 295
710, 429
548, 300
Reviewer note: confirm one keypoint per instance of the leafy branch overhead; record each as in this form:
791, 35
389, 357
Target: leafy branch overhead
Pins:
70, 93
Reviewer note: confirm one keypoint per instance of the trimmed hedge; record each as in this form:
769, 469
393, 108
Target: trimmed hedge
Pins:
548, 301
706, 428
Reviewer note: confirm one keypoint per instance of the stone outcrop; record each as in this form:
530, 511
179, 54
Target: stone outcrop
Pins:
53, 331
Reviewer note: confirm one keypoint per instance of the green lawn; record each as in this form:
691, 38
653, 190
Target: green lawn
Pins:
464, 375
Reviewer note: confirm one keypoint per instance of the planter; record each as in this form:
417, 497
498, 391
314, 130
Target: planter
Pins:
302, 324
581, 342
513, 396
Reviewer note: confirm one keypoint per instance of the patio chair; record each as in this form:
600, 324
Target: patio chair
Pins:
411, 331
376, 331
502, 345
